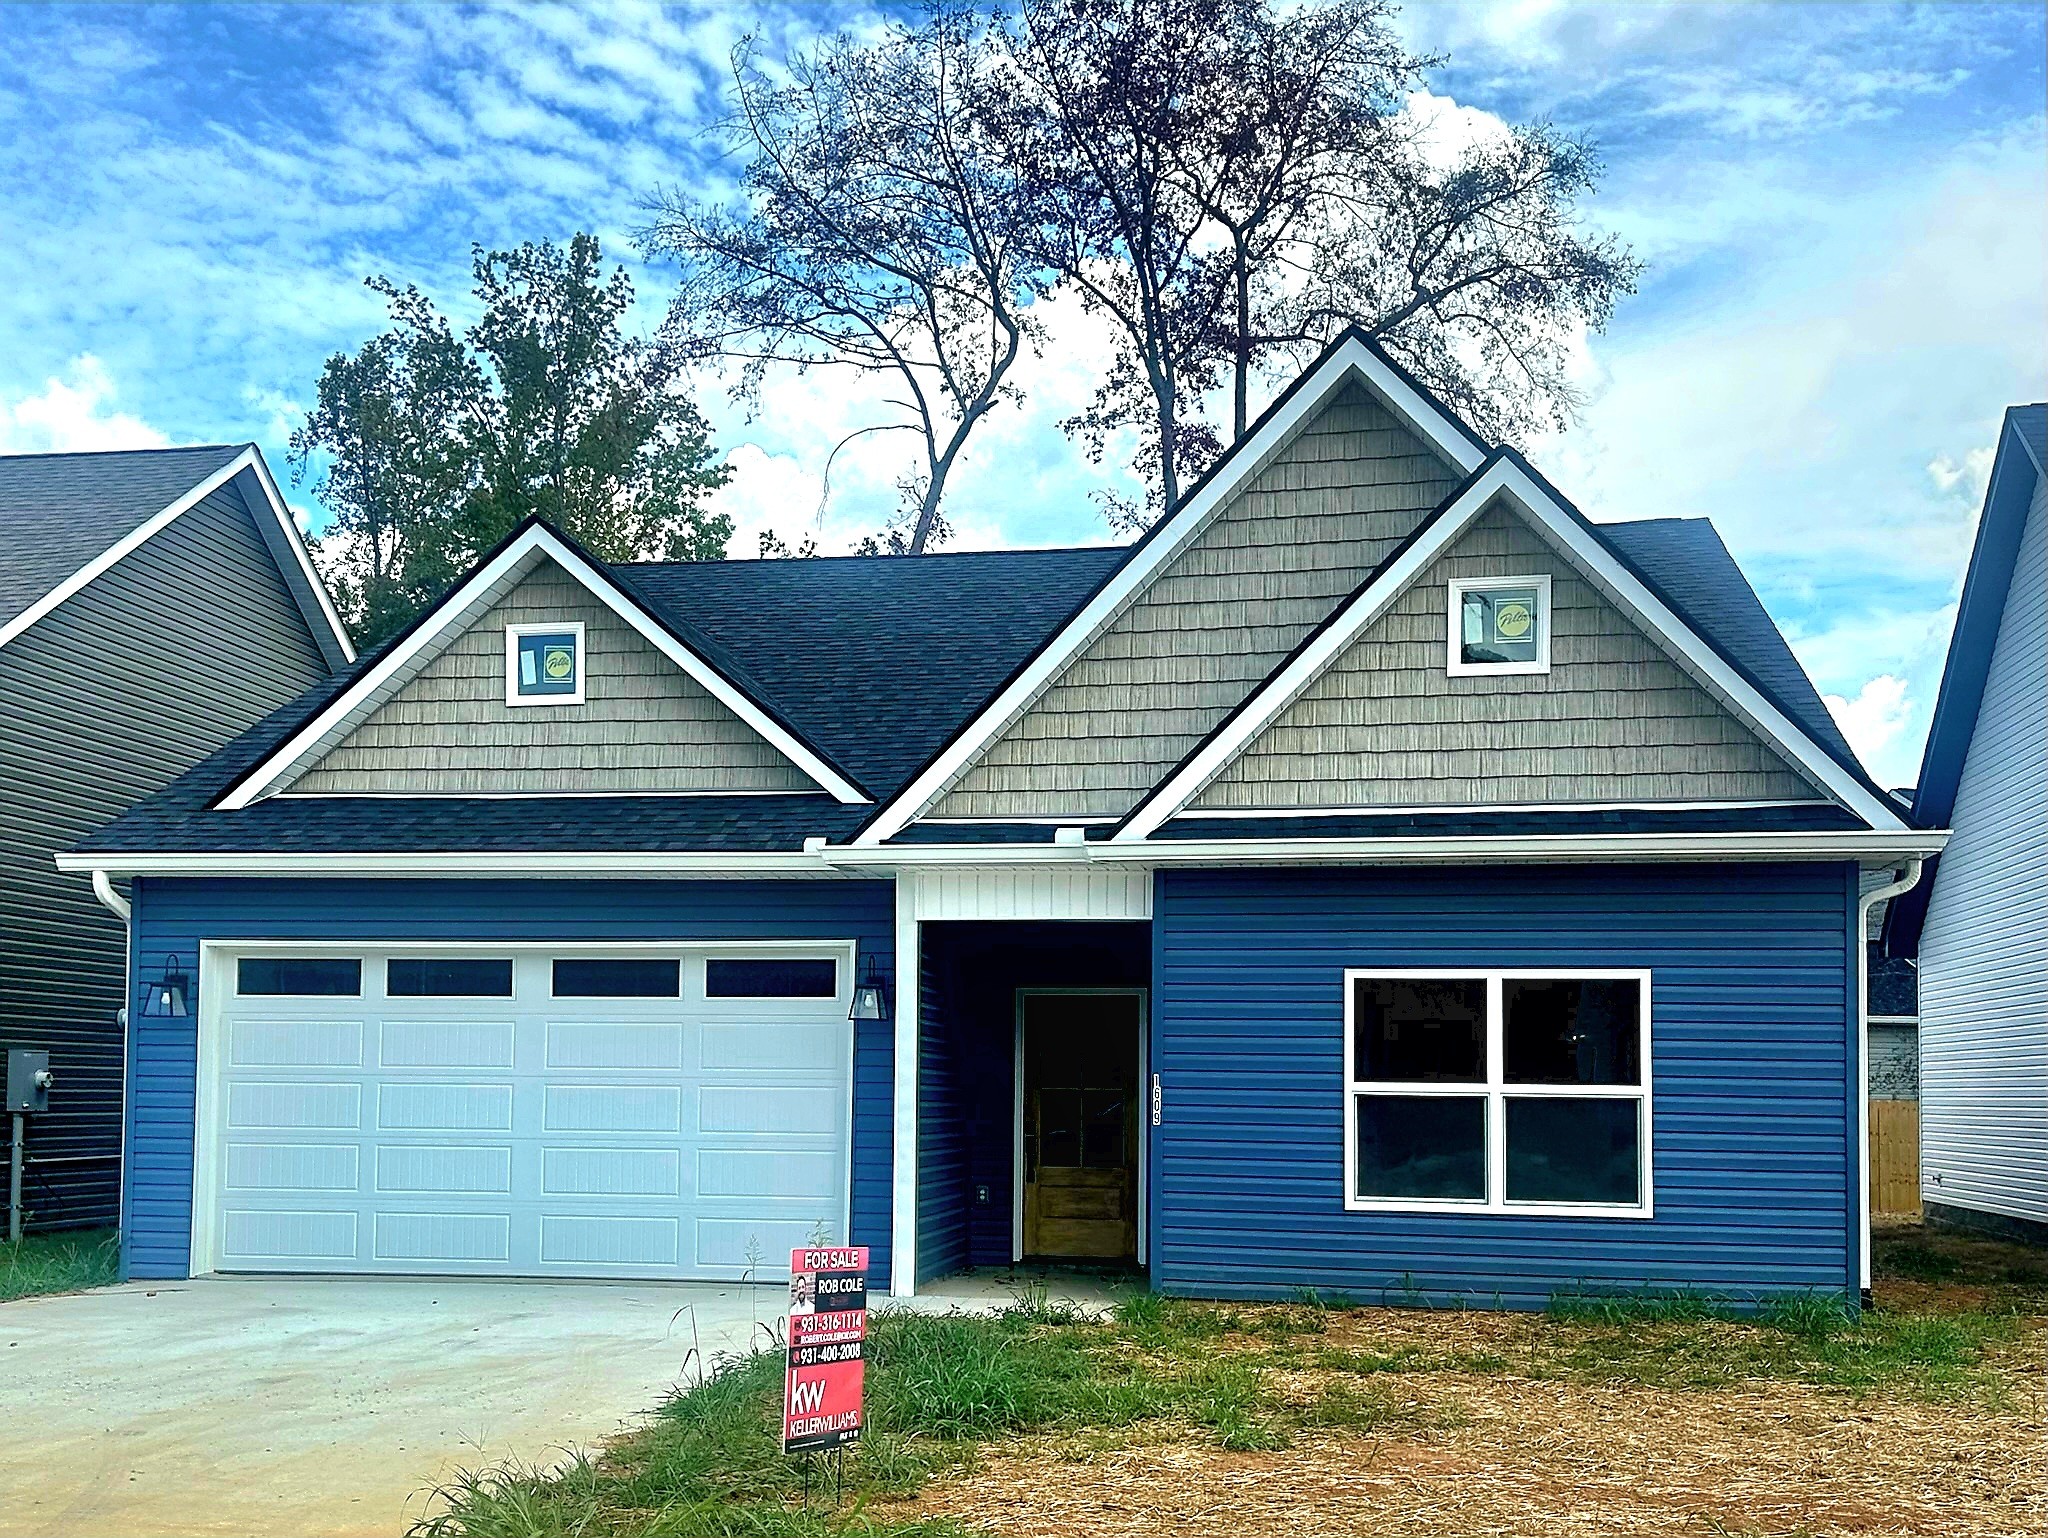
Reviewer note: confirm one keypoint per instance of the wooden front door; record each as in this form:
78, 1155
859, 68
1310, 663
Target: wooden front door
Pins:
1080, 1089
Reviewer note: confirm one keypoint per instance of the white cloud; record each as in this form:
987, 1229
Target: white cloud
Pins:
1874, 722
73, 411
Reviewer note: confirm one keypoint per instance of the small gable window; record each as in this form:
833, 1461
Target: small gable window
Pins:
544, 664
1499, 625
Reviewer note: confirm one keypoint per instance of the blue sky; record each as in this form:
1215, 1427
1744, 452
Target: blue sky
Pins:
1844, 209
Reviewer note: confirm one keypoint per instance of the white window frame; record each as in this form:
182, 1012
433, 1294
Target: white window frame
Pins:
565, 627
1454, 632
1496, 1092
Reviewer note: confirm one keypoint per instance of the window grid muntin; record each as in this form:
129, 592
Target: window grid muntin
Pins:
1496, 1092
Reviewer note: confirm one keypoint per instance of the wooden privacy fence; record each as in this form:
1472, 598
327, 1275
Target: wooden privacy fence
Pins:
1895, 1158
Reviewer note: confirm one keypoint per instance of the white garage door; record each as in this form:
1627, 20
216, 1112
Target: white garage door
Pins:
524, 1113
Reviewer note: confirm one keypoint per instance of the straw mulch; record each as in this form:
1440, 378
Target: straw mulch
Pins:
1506, 1455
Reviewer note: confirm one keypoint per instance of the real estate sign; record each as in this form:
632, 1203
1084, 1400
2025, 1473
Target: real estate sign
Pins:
828, 1329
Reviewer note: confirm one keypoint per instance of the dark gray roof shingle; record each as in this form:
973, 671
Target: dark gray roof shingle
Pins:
59, 511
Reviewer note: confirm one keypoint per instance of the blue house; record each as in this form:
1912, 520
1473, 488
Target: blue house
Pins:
1378, 878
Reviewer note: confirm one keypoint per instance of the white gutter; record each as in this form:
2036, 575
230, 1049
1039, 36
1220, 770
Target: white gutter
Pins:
818, 858
1906, 881
110, 899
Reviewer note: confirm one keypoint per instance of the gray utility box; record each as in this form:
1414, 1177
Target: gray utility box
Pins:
28, 1079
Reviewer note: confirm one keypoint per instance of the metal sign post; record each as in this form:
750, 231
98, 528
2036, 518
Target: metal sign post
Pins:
822, 1379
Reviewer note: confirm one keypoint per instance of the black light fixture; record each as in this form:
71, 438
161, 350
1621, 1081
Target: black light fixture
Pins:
169, 997
870, 998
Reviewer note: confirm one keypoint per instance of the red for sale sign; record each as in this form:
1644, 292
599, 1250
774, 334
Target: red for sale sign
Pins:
828, 1327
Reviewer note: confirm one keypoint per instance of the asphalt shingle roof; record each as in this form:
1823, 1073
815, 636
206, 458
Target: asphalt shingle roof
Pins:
59, 511
877, 660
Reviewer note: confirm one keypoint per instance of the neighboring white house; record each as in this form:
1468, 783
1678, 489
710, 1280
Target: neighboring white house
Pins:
1981, 919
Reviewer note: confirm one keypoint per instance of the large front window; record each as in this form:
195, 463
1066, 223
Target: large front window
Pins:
1498, 1091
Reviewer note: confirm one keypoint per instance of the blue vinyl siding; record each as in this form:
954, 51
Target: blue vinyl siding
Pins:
1753, 1063
942, 1137
172, 916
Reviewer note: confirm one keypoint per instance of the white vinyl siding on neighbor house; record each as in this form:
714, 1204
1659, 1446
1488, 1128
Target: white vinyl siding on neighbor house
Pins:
527, 1129
1984, 947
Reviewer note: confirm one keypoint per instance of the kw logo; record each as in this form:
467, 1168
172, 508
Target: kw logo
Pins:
806, 1398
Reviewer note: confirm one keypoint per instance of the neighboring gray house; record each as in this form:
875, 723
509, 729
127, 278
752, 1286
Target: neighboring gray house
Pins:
1979, 922
153, 605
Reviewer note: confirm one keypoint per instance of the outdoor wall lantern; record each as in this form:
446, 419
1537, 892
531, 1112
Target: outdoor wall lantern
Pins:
870, 998
169, 997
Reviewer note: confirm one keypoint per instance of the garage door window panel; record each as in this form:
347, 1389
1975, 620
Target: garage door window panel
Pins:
606, 978
455, 977
299, 977
734, 977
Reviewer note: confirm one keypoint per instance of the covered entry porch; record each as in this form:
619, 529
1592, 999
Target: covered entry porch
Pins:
1032, 1061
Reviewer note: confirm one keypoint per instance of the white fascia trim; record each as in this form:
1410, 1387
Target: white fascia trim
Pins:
1844, 844
283, 513
1443, 808
312, 736
525, 795
143, 532
1417, 412
1504, 478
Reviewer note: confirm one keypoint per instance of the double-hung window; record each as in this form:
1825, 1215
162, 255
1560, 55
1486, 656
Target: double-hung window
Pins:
1525, 1091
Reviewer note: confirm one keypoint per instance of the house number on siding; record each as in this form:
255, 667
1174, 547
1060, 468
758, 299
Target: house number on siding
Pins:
1155, 1100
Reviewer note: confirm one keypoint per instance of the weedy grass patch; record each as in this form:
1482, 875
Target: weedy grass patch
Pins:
969, 1405
41, 1264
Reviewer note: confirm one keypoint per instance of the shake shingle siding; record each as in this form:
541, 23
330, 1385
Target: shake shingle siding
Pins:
1613, 720
1268, 568
645, 725
157, 662
1753, 998
172, 917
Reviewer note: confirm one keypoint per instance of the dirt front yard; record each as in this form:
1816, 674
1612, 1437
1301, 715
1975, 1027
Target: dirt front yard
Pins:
1927, 1416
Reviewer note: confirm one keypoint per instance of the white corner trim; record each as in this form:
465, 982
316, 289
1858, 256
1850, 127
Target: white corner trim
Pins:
142, 533
1503, 478
903, 1097
283, 513
536, 540
1456, 666
513, 633
1248, 458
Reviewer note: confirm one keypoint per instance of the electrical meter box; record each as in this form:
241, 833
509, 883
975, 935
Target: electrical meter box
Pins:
28, 1079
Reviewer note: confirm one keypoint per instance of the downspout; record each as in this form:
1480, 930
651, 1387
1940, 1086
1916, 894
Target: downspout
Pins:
122, 909
1907, 878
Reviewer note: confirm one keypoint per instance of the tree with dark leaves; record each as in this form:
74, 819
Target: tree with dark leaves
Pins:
431, 447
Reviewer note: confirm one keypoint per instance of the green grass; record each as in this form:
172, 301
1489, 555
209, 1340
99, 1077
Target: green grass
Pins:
70, 1261
942, 1388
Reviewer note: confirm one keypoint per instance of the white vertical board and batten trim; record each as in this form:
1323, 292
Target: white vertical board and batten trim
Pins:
249, 459
1507, 480
1030, 892
506, 566
1984, 946
1351, 359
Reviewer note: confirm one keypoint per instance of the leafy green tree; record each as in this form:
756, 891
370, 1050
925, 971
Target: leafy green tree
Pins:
430, 446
